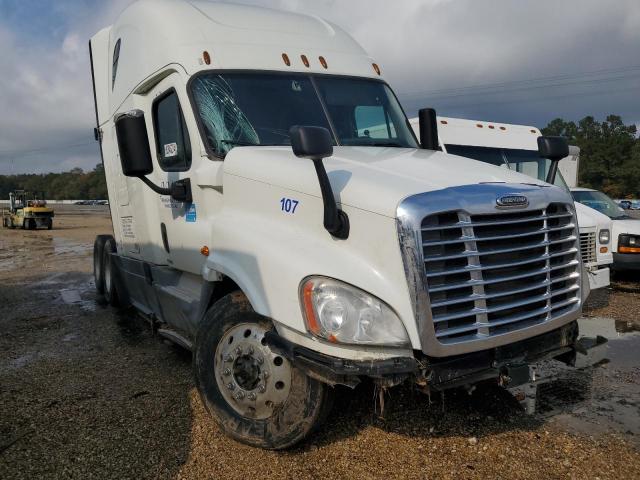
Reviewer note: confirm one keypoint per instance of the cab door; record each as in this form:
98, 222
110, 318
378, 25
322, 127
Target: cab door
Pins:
180, 233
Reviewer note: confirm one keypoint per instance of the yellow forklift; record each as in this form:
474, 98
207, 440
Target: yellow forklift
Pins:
27, 210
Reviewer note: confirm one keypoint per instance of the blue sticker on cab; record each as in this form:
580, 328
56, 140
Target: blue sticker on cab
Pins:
191, 213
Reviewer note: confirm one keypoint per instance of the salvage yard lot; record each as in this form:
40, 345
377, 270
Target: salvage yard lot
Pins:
88, 392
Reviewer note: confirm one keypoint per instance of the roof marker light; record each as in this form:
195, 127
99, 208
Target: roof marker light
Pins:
533, 131
492, 127
479, 125
285, 59
503, 128
323, 62
444, 122
305, 60
206, 57
376, 68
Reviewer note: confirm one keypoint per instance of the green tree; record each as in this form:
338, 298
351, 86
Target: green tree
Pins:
73, 185
609, 155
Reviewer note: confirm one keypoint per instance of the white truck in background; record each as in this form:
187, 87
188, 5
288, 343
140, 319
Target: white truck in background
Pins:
257, 224
515, 147
625, 231
570, 166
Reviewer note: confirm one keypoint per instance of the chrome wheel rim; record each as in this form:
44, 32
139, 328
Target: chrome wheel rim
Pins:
252, 379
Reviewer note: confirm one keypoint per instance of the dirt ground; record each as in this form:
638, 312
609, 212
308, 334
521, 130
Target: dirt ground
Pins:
88, 392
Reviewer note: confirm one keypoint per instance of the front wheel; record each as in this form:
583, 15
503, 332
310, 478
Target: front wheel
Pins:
255, 395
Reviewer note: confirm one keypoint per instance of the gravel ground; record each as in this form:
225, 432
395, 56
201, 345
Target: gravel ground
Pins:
87, 392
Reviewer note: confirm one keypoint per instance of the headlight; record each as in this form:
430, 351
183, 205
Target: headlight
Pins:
604, 236
340, 313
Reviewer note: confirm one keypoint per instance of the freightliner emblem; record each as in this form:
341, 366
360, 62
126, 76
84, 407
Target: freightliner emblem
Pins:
512, 201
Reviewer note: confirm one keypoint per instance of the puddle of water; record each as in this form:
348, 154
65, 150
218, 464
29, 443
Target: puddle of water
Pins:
79, 296
63, 246
70, 296
604, 398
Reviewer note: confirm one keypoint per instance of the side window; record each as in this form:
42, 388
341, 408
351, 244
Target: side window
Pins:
172, 138
373, 122
114, 67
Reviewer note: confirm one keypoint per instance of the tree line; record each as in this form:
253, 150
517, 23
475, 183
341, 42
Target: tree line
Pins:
609, 161
609, 153
73, 185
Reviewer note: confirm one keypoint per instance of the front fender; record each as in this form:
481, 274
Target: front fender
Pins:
268, 253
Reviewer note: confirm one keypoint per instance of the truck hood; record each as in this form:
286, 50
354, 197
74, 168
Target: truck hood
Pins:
375, 179
630, 225
588, 217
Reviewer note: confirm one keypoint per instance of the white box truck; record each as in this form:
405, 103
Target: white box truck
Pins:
570, 166
254, 223
515, 147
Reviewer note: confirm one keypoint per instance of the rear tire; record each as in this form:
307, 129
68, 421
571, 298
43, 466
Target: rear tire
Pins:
109, 272
255, 395
49, 224
98, 266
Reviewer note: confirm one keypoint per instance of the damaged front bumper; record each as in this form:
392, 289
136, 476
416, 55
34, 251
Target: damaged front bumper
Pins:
509, 365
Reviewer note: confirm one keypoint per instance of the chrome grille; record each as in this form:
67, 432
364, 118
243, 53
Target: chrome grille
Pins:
489, 274
588, 247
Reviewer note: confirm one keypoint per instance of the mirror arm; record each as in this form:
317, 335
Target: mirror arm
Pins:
180, 190
336, 222
154, 187
553, 171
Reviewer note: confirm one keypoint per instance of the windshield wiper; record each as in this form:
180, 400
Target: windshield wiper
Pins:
385, 144
239, 143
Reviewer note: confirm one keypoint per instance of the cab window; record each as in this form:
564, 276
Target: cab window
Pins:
171, 135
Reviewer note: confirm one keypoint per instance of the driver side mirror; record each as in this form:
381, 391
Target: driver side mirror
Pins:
133, 144
555, 149
135, 156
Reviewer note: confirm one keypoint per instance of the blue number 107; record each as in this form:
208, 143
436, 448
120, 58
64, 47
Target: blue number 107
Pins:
288, 205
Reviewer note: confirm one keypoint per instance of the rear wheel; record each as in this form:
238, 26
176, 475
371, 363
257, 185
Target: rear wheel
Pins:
109, 273
255, 395
49, 224
98, 270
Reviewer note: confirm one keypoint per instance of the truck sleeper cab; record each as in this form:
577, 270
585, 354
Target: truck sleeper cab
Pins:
260, 221
515, 147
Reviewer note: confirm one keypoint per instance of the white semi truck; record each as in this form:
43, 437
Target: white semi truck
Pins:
515, 147
258, 224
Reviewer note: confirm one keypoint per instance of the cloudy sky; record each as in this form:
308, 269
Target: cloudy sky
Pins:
499, 60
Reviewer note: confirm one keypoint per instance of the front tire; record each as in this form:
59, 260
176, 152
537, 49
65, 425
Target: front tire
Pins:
255, 395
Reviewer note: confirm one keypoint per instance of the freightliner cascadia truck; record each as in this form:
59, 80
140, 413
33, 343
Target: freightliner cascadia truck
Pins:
258, 223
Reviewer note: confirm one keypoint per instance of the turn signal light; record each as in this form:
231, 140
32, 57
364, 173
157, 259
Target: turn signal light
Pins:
628, 249
604, 249
205, 251
312, 321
